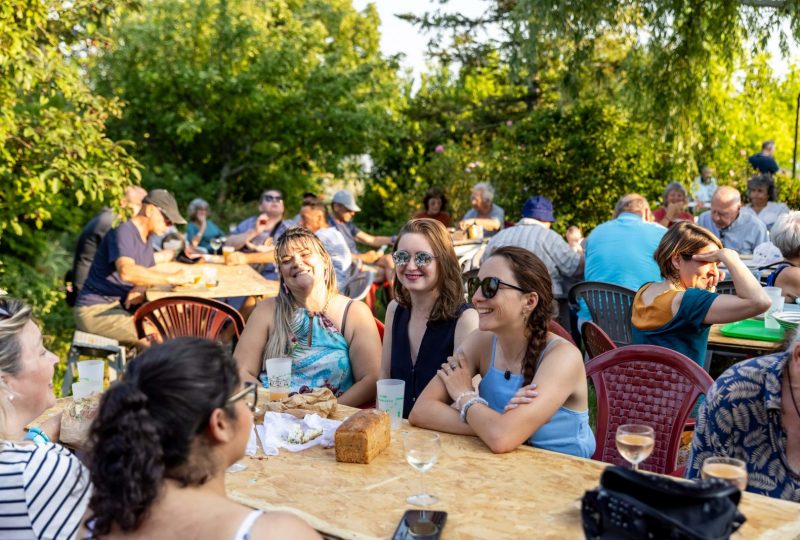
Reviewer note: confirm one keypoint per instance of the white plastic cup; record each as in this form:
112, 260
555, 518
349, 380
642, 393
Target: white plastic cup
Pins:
82, 389
91, 371
227, 251
279, 374
390, 399
776, 296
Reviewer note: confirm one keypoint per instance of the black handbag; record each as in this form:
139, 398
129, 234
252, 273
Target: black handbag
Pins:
633, 505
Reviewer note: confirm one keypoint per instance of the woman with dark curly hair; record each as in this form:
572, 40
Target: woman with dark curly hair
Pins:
435, 204
162, 440
511, 350
428, 318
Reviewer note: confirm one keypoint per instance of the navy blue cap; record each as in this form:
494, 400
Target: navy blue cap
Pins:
538, 207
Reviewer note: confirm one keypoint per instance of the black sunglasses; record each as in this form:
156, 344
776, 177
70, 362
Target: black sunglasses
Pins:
402, 257
489, 286
249, 393
272, 198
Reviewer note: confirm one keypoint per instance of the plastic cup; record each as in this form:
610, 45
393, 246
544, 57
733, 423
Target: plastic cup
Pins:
91, 371
210, 276
81, 390
226, 252
390, 399
776, 296
279, 374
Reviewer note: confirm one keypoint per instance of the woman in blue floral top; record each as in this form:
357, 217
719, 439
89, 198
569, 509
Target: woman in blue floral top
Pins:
333, 341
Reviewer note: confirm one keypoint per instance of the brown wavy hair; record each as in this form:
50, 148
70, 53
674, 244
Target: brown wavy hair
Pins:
531, 275
449, 283
684, 239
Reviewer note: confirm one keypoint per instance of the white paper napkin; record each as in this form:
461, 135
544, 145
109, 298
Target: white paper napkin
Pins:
276, 428
252, 443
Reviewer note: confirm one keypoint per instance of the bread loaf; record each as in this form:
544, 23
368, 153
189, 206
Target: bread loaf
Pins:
362, 436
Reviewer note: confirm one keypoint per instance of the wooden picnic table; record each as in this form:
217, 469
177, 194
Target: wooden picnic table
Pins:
528, 493
234, 280
751, 347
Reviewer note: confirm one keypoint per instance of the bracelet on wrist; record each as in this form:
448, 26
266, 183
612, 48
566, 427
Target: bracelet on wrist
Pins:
457, 403
470, 402
37, 436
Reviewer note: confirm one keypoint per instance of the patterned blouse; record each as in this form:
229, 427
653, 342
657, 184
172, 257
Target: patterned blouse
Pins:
741, 418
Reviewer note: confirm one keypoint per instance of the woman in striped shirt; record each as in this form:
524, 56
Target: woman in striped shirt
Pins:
44, 489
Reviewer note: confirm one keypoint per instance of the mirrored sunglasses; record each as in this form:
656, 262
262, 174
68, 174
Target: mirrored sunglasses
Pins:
421, 258
272, 198
488, 286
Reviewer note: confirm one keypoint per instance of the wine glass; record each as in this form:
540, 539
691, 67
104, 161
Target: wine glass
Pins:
635, 443
726, 468
422, 450
216, 243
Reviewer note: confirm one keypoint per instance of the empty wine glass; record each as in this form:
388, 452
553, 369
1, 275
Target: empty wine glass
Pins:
635, 443
726, 468
216, 243
422, 450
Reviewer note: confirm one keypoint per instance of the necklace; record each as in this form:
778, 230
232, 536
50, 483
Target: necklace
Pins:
312, 314
791, 391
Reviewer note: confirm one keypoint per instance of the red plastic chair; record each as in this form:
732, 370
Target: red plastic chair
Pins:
180, 316
645, 384
595, 340
559, 330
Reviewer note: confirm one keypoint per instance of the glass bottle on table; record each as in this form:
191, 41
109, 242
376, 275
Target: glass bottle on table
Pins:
635, 443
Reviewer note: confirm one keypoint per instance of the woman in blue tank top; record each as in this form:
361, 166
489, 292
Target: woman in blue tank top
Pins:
428, 319
512, 348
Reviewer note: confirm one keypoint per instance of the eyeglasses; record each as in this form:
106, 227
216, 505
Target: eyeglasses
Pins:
421, 258
250, 395
489, 286
272, 198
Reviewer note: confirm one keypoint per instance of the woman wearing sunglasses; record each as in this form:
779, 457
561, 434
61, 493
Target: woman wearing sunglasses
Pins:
428, 319
333, 341
512, 349
29, 463
162, 440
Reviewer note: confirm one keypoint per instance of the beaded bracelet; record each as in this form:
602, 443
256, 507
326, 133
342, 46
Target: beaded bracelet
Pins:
469, 404
457, 403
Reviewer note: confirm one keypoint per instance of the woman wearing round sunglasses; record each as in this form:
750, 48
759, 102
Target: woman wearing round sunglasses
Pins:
332, 340
163, 438
428, 319
512, 349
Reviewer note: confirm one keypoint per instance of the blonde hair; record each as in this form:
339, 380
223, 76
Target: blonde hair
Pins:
14, 315
279, 340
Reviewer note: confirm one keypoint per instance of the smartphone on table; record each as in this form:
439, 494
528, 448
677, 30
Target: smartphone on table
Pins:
420, 525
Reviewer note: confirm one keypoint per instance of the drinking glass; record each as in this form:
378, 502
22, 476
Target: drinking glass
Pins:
215, 244
236, 467
726, 468
635, 443
422, 450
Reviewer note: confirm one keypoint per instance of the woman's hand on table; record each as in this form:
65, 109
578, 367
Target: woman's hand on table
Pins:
524, 395
455, 377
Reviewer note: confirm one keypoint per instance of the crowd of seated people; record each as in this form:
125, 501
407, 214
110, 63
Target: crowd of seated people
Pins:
532, 384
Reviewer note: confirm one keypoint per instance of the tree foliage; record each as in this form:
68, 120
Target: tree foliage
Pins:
229, 96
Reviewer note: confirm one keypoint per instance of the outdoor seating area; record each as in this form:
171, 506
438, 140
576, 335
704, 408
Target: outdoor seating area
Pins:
370, 269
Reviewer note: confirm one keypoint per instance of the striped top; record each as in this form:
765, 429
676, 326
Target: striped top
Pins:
44, 491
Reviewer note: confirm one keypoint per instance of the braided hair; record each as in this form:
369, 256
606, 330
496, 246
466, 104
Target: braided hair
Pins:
531, 275
149, 428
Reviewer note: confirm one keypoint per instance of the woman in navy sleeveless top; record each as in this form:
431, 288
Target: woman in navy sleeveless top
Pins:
429, 318
513, 296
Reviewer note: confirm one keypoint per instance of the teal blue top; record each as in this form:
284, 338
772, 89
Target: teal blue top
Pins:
567, 431
321, 360
212, 231
685, 332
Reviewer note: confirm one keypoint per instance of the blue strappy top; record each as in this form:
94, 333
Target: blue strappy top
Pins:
567, 431
321, 360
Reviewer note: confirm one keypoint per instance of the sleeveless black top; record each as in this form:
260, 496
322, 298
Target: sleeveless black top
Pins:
437, 344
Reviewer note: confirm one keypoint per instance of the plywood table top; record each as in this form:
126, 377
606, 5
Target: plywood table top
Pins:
528, 493
715, 338
234, 280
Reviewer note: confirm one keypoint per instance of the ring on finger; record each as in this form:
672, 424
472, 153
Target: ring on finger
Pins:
453, 365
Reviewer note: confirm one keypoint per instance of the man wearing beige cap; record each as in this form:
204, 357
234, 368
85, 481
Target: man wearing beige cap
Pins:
343, 209
122, 269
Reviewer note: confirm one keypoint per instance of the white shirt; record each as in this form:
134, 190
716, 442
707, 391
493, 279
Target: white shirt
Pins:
44, 491
769, 214
337, 248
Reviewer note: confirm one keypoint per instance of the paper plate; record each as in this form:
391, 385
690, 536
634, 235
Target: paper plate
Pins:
789, 320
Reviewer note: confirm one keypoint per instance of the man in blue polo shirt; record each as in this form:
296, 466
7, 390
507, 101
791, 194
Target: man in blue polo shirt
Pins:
739, 231
122, 269
620, 251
